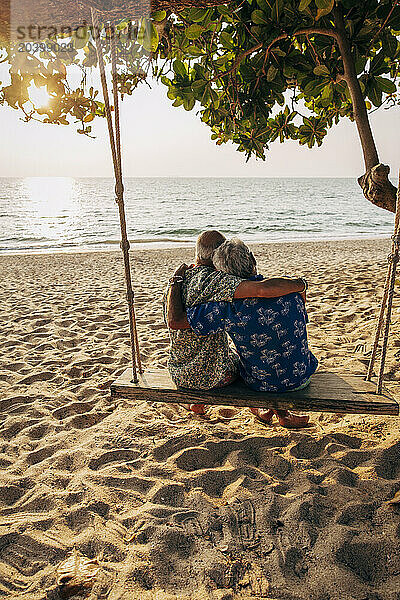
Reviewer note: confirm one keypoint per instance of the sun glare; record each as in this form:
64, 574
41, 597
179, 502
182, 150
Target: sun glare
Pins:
49, 196
54, 207
38, 96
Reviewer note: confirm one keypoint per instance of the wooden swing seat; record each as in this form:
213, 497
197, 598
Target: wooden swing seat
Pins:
327, 392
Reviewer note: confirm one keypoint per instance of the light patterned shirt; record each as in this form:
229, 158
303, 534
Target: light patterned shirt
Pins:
198, 362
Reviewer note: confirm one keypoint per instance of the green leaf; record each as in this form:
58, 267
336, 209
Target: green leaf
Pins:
289, 72
325, 4
159, 15
377, 66
277, 10
195, 51
179, 68
360, 64
193, 32
314, 88
214, 98
80, 37
389, 44
122, 24
327, 95
271, 73
198, 86
197, 14
386, 85
226, 40
154, 38
264, 5
324, 7
258, 17
172, 92
188, 103
220, 62
148, 36
224, 10
142, 33
247, 72
375, 95
321, 70
304, 4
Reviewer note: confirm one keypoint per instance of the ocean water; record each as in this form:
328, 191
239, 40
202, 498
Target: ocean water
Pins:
50, 214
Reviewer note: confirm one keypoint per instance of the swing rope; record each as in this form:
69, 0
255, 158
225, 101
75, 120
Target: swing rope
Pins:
115, 144
387, 302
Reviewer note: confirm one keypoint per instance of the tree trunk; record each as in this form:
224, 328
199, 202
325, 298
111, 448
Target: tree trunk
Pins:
375, 183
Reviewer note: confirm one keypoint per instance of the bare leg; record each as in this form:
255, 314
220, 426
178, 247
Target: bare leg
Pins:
199, 408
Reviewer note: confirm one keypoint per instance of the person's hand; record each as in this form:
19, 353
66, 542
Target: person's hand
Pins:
180, 272
303, 294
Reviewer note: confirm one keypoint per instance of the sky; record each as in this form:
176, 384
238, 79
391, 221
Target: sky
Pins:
162, 141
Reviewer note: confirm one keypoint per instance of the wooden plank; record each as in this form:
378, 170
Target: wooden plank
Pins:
327, 392
323, 385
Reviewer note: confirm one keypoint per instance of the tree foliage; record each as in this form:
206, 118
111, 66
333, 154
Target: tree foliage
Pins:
255, 70
264, 70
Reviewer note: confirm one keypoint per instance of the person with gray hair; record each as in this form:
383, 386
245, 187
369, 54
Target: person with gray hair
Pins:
269, 334
233, 256
206, 362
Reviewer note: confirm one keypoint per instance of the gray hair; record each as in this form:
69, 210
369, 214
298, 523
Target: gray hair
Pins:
235, 258
207, 243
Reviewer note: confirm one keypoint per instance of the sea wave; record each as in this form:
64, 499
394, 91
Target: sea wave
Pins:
174, 211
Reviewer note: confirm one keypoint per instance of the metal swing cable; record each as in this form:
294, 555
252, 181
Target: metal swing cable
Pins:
115, 145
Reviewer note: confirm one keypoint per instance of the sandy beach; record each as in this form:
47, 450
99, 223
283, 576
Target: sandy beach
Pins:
165, 504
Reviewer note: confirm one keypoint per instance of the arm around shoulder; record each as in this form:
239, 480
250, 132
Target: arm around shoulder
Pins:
268, 288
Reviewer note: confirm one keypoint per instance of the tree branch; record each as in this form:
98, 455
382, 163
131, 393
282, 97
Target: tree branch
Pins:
396, 3
309, 31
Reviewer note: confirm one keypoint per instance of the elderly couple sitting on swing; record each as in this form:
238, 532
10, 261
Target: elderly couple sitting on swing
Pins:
222, 295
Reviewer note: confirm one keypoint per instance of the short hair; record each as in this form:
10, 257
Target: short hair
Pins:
207, 243
235, 258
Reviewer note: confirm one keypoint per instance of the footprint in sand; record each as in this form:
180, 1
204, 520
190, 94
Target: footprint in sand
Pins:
388, 463
73, 408
234, 527
86, 420
26, 555
113, 457
41, 376
40, 455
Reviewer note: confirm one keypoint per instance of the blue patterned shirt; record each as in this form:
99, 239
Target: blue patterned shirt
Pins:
270, 336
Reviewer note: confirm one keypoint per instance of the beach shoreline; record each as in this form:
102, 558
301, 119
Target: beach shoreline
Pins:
170, 505
171, 244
